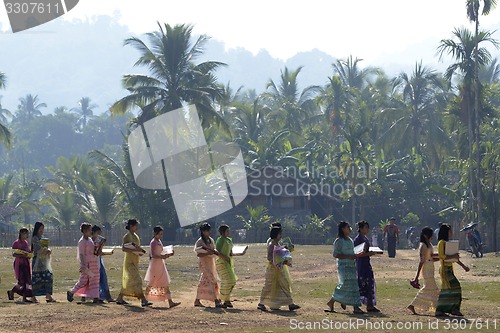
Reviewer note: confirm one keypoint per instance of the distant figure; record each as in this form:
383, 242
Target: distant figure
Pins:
391, 233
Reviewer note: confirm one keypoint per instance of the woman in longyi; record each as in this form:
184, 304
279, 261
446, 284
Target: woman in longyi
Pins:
277, 290
427, 296
225, 264
347, 290
208, 288
22, 268
88, 282
131, 279
157, 277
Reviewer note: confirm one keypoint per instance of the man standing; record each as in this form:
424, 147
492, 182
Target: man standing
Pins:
391, 233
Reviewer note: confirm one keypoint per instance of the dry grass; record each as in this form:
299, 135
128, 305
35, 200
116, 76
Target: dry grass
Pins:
314, 277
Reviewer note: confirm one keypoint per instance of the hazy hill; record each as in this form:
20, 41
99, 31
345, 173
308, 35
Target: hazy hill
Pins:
61, 62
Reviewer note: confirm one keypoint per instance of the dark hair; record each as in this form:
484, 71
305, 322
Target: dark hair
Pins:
392, 218
157, 229
223, 228
362, 224
425, 234
275, 231
205, 227
96, 228
23, 231
341, 225
85, 226
37, 227
277, 225
444, 230
131, 223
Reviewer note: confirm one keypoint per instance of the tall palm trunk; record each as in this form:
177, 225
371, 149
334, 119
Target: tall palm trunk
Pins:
477, 122
471, 160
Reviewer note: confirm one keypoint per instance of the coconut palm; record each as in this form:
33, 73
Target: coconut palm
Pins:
291, 108
473, 16
3, 80
175, 79
351, 74
414, 117
5, 135
491, 73
85, 111
28, 109
462, 49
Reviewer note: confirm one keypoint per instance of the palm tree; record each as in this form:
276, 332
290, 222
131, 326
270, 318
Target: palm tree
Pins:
291, 108
414, 115
29, 108
5, 135
462, 51
3, 80
491, 73
175, 79
473, 16
351, 74
84, 110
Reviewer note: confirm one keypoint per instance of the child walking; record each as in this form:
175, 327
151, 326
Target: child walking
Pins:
157, 277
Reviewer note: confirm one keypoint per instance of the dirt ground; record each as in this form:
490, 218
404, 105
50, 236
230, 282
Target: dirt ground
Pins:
314, 278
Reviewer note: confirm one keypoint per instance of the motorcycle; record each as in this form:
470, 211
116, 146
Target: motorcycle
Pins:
474, 239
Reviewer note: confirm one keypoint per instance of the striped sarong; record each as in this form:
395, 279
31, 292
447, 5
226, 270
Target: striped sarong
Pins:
450, 297
277, 290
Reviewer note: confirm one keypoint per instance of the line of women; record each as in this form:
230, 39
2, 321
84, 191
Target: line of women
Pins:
356, 282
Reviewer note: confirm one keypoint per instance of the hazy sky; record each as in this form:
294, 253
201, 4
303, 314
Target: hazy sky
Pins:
369, 29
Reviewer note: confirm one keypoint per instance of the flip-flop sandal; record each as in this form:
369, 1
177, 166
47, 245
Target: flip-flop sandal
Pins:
10, 293
69, 297
358, 311
146, 304
329, 311
174, 305
121, 302
343, 306
373, 310
199, 305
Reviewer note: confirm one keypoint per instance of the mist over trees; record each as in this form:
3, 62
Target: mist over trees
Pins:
432, 136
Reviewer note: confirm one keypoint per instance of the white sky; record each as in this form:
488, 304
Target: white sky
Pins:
370, 29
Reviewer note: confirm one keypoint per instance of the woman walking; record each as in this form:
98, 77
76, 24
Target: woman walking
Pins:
42, 278
225, 264
22, 267
347, 290
450, 297
87, 285
208, 288
428, 295
277, 290
157, 277
366, 279
131, 279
